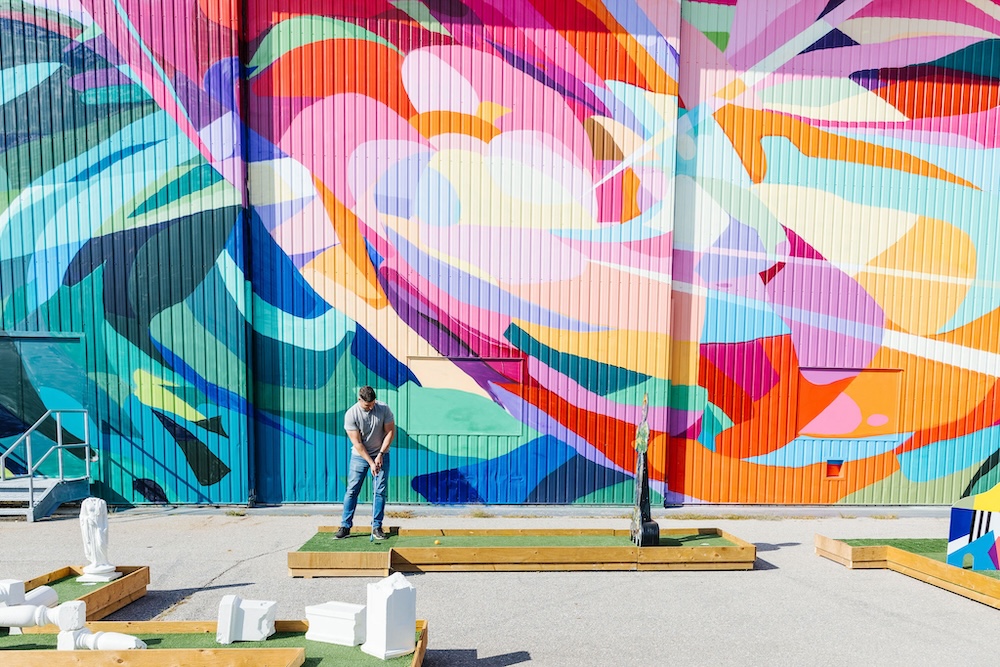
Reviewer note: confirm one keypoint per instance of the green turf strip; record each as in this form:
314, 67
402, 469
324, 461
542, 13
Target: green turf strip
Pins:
933, 548
318, 654
361, 543
68, 589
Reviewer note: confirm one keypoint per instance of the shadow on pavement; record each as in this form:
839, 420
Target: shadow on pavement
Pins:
469, 657
761, 564
764, 546
155, 602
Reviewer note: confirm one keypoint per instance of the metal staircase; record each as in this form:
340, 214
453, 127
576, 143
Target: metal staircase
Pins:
29, 487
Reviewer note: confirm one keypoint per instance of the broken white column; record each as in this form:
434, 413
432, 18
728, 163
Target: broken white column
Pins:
244, 620
43, 596
94, 527
68, 616
391, 618
336, 623
82, 638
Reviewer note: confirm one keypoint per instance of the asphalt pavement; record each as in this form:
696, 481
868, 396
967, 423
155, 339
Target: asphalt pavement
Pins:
794, 608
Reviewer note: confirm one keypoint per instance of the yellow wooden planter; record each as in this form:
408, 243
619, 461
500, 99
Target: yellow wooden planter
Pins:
966, 583
107, 599
309, 564
214, 657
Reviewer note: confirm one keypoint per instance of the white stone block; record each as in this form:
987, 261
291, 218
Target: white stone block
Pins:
11, 592
245, 620
391, 618
336, 623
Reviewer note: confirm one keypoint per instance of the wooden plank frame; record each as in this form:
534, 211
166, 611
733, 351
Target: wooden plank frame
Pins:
310, 564
966, 583
107, 599
220, 657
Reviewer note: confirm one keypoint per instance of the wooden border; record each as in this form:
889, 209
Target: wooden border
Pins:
220, 657
966, 583
107, 599
505, 559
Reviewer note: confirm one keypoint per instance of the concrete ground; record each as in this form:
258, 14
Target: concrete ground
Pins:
794, 608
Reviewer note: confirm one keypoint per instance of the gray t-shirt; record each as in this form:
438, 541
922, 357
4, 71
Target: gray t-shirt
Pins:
371, 424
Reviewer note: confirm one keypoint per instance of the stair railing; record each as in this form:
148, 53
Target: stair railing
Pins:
32, 466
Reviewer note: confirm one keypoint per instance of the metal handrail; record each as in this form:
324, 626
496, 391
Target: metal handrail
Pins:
59, 447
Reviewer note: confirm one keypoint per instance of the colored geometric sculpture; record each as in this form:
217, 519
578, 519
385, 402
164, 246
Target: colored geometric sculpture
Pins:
973, 532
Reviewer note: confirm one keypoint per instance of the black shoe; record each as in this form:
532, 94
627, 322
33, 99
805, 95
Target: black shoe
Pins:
341, 533
378, 534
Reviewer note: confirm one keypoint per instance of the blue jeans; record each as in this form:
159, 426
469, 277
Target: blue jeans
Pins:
357, 470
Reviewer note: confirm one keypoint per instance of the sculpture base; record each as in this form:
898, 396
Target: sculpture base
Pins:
98, 578
645, 533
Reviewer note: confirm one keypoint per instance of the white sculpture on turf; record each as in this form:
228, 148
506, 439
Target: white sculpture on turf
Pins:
94, 526
82, 638
336, 623
43, 596
244, 620
391, 618
11, 592
68, 616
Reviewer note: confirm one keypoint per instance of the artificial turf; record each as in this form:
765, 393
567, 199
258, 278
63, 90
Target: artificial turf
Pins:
934, 548
359, 542
68, 589
318, 654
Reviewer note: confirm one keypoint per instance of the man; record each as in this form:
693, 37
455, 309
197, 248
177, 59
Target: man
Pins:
371, 428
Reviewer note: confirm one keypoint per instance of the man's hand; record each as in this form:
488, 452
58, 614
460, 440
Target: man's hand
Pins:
376, 466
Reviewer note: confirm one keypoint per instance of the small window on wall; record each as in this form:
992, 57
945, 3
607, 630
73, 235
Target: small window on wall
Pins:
452, 401
849, 403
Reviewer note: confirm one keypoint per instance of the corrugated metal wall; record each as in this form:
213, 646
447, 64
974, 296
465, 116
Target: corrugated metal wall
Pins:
515, 219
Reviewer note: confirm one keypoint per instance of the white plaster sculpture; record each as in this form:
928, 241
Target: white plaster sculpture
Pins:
244, 620
68, 616
336, 623
82, 638
43, 596
94, 526
391, 618
11, 592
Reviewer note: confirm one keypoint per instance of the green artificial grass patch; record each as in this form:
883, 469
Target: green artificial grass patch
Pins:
934, 548
360, 542
318, 654
68, 589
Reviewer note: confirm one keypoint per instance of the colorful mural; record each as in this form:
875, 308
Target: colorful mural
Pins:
513, 218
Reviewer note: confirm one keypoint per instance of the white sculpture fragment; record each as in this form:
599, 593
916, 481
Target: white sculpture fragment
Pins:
68, 616
391, 618
245, 620
94, 526
11, 592
82, 638
43, 596
336, 623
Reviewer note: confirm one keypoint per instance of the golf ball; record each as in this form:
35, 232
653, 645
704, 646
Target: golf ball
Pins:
437, 541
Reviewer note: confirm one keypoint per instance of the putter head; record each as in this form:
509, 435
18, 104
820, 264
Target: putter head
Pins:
371, 538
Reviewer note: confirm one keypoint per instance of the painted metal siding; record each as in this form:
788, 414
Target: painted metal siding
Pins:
515, 220
116, 207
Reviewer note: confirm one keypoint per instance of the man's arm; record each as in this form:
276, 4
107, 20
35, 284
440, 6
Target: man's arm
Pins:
390, 433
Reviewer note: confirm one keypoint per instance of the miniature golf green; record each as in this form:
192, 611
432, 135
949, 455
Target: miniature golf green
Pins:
359, 542
933, 548
318, 654
68, 589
